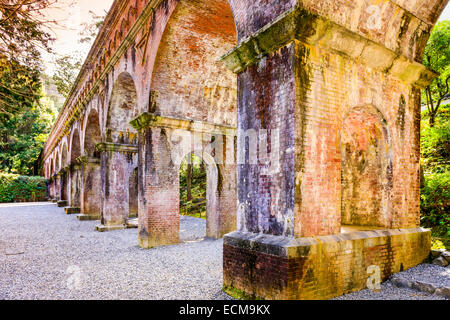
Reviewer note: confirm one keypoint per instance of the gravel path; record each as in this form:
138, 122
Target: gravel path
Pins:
390, 292
45, 254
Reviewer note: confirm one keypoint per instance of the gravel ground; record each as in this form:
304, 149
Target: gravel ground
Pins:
390, 292
428, 273
45, 254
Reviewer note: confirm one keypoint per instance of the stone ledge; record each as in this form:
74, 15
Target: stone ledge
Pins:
146, 120
62, 203
301, 25
296, 247
277, 267
86, 159
105, 228
72, 210
116, 147
86, 217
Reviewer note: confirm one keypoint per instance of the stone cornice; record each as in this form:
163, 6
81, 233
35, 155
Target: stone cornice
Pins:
86, 160
116, 147
63, 171
146, 120
311, 29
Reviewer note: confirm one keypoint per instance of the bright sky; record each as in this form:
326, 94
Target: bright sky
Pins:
71, 14
446, 14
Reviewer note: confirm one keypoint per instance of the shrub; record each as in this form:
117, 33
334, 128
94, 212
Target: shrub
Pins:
435, 203
17, 188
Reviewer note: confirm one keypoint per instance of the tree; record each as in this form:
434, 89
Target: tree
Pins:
66, 73
68, 66
437, 57
23, 33
26, 120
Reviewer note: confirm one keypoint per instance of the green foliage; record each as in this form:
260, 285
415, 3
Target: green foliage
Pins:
17, 188
437, 58
438, 244
435, 203
196, 207
435, 194
67, 68
25, 120
435, 142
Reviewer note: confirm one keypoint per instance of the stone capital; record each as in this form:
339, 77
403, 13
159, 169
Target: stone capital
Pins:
146, 120
86, 160
116, 147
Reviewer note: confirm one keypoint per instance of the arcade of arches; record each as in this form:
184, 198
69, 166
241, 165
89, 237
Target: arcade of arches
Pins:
324, 94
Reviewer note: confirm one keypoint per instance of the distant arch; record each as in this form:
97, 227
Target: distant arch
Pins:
92, 134
122, 109
366, 168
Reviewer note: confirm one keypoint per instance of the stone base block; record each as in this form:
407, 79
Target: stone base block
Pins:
132, 223
72, 210
280, 268
87, 217
62, 203
104, 228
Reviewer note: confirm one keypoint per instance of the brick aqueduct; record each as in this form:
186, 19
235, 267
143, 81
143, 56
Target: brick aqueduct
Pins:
324, 94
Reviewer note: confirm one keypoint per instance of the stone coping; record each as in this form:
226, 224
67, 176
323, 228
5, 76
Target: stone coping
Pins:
146, 120
301, 25
296, 247
86, 159
116, 147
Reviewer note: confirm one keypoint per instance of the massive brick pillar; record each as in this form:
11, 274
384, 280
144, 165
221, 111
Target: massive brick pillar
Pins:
90, 188
74, 189
116, 167
52, 188
159, 221
303, 81
163, 144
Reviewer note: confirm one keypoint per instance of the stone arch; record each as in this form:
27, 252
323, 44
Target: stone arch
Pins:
212, 198
122, 109
58, 161
92, 134
187, 79
64, 155
64, 174
366, 168
75, 146
133, 185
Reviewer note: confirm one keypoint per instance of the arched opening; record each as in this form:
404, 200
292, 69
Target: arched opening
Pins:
119, 178
75, 149
189, 83
90, 169
193, 195
366, 170
198, 185
92, 135
122, 109
133, 193
64, 184
188, 80
75, 170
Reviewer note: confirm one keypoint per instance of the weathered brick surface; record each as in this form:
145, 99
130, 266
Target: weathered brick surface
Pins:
337, 82
91, 188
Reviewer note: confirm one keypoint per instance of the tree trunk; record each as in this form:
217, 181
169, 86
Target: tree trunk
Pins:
189, 180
